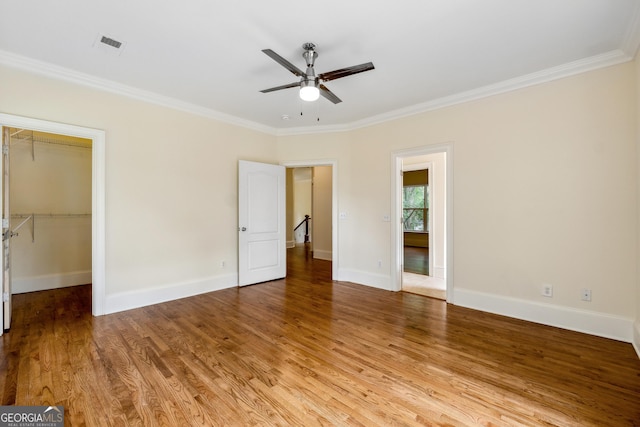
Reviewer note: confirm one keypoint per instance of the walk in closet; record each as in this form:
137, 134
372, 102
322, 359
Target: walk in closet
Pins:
50, 206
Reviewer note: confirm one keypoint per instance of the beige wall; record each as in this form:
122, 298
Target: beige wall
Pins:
322, 208
544, 192
545, 188
171, 183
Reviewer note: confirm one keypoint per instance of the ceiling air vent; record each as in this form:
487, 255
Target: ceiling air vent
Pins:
111, 42
108, 44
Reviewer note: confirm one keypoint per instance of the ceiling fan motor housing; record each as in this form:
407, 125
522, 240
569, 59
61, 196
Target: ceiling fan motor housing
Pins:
309, 81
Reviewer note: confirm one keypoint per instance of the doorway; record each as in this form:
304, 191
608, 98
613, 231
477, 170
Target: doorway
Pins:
97, 138
423, 225
422, 231
50, 210
318, 199
301, 204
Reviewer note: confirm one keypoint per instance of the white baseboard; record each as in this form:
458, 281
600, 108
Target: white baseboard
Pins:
590, 322
21, 285
599, 324
379, 281
320, 254
291, 244
135, 299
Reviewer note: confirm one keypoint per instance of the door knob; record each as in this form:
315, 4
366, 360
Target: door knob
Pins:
242, 229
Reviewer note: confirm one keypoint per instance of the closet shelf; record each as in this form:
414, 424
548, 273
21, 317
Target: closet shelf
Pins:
22, 135
49, 215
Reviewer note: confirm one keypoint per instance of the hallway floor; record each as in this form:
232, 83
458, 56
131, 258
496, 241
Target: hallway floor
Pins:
415, 278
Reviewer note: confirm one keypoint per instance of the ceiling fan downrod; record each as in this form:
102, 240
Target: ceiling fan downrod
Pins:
309, 56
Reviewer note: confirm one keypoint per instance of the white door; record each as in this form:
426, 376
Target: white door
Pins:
6, 232
262, 248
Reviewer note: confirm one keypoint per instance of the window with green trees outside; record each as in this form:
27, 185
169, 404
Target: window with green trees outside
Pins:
415, 208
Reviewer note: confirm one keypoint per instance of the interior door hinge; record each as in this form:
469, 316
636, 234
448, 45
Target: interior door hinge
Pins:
5, 149
5, 223
5, 297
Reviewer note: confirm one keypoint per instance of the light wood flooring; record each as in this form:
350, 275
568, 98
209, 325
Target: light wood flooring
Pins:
427, 286
415, 277
307, 351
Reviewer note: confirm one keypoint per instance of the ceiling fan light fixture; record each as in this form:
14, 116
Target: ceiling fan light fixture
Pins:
309, 83
308, 91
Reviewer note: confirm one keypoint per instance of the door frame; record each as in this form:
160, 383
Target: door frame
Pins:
334, 205
98, 208
5, 247
396, 212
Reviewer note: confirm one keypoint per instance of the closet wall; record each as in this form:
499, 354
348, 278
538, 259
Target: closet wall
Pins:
50, 178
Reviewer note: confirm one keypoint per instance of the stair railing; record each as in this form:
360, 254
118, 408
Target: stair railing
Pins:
305, 221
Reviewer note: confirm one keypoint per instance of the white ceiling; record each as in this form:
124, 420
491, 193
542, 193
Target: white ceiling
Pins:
205, 55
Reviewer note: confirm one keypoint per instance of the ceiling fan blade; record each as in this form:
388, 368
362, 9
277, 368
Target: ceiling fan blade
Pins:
286, 64
329, 95
287, 86
344, 72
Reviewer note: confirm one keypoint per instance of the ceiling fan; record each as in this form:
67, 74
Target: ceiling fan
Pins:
310, 84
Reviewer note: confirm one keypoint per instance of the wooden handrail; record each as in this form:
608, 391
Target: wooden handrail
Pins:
305, 221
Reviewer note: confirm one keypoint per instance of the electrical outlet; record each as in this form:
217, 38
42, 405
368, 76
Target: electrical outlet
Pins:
585, 295
547, 290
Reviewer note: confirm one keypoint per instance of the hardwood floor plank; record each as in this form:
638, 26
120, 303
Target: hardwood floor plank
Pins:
416, 260
309, 351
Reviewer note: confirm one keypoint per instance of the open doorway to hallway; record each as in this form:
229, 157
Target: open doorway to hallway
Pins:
423, 189
422, 232
310, 212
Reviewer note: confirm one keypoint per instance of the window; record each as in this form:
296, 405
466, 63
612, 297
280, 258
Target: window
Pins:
415, 208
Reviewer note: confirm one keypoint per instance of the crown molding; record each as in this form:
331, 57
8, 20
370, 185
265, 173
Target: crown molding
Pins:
554, 73
60, 73
566, 70
631, 41
306, 130
627, 53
